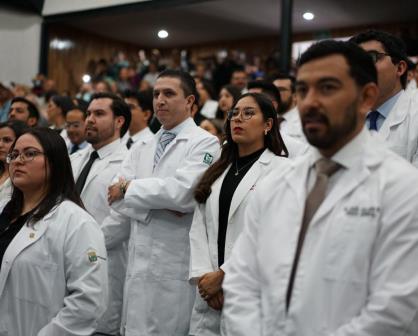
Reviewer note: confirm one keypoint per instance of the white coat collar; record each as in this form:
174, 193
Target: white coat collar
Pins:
397, 115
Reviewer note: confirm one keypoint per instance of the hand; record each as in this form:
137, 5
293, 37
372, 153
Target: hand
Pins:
115, 193
217, 301
210, 284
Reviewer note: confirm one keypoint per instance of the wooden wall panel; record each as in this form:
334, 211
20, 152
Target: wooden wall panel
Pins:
67, 66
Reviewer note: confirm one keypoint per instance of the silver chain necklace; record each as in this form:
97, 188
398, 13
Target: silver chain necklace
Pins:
238, 170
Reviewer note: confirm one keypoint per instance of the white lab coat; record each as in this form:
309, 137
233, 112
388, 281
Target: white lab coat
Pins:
400, 130
357, 273
158, 298
94, 197
48, 284
205, 321
292, 125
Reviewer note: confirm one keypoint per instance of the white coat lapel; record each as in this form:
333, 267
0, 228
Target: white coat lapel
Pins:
296, 180
248, 182
24, 238
396, 116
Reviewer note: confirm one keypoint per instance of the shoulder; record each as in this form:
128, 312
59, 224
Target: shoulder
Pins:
69, 213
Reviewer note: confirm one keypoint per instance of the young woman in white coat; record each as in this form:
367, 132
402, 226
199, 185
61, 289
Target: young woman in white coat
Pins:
252, 150
53, 275
9, 131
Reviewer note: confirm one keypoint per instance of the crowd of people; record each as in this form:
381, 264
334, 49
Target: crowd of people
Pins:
280, 205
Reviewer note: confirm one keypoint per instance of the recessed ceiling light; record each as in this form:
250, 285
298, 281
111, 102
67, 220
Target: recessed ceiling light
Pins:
162, 34
86, 78
308, 16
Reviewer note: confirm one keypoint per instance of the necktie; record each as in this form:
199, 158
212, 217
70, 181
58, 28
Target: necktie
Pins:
129, 143
324, 169
85, 172
165, 139
373, 120
74, 149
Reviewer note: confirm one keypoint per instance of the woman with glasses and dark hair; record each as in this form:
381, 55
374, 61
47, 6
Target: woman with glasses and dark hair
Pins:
53, 275
9, 131
253, 148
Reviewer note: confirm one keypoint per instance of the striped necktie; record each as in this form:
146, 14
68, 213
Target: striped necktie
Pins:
165, 139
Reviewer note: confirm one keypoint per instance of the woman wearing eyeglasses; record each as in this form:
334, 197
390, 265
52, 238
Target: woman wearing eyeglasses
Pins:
253, 149
9, 130
53, 275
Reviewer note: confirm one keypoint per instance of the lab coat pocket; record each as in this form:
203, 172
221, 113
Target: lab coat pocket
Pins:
350, 241
169, 261
35, 280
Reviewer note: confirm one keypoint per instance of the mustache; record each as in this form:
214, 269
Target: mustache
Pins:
314, 115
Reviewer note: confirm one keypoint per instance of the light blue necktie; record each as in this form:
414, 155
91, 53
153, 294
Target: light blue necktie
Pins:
165, 139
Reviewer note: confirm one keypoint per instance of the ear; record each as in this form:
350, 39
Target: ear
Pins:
368, 98
119, 121
32, 121
189, 101
268, 124
401, 68
147, 115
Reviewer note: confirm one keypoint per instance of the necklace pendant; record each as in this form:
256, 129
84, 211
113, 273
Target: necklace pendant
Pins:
236, 173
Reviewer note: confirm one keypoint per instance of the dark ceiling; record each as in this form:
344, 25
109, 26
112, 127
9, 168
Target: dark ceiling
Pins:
199, 22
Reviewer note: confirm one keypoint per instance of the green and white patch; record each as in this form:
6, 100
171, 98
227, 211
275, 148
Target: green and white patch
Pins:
208, 158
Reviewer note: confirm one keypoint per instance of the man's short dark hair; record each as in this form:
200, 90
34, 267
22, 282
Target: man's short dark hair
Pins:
32, 109
289, 77
118, 107
267, 88
144, 99
187, 82
392, 44
361, 66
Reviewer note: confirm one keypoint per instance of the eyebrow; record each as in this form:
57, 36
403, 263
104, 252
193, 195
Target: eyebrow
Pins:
29, 147
321, 80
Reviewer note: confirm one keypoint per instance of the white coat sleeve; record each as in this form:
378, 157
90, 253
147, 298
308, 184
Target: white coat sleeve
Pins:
392, 308
242, 307
200, 261
173, 192
87, 284
116, 229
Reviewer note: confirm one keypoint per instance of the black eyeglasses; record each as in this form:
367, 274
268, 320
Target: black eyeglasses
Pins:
25, 156
246, 113
376, 55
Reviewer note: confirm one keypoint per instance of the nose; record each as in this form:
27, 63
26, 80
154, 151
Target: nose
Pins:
310, 100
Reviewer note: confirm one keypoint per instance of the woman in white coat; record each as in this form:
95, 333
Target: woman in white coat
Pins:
9, 131
53, 275
252, 150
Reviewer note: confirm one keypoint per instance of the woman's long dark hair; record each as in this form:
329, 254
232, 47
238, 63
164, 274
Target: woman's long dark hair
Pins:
18, 127
59, 180
234, 92
273, 141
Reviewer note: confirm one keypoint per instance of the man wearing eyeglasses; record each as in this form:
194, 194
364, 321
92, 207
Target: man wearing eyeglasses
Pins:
395, 115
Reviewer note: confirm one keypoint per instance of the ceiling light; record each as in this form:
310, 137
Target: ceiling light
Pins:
86, 78
308, 16
162, 34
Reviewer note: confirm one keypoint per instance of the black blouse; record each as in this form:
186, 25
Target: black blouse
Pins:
8, 230
232, 179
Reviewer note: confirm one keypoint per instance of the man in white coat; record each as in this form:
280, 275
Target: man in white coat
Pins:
155, 196
395, 114
330, 247
140, 104
108, 118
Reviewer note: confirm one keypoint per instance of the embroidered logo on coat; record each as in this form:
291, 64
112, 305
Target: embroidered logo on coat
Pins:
208, 158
